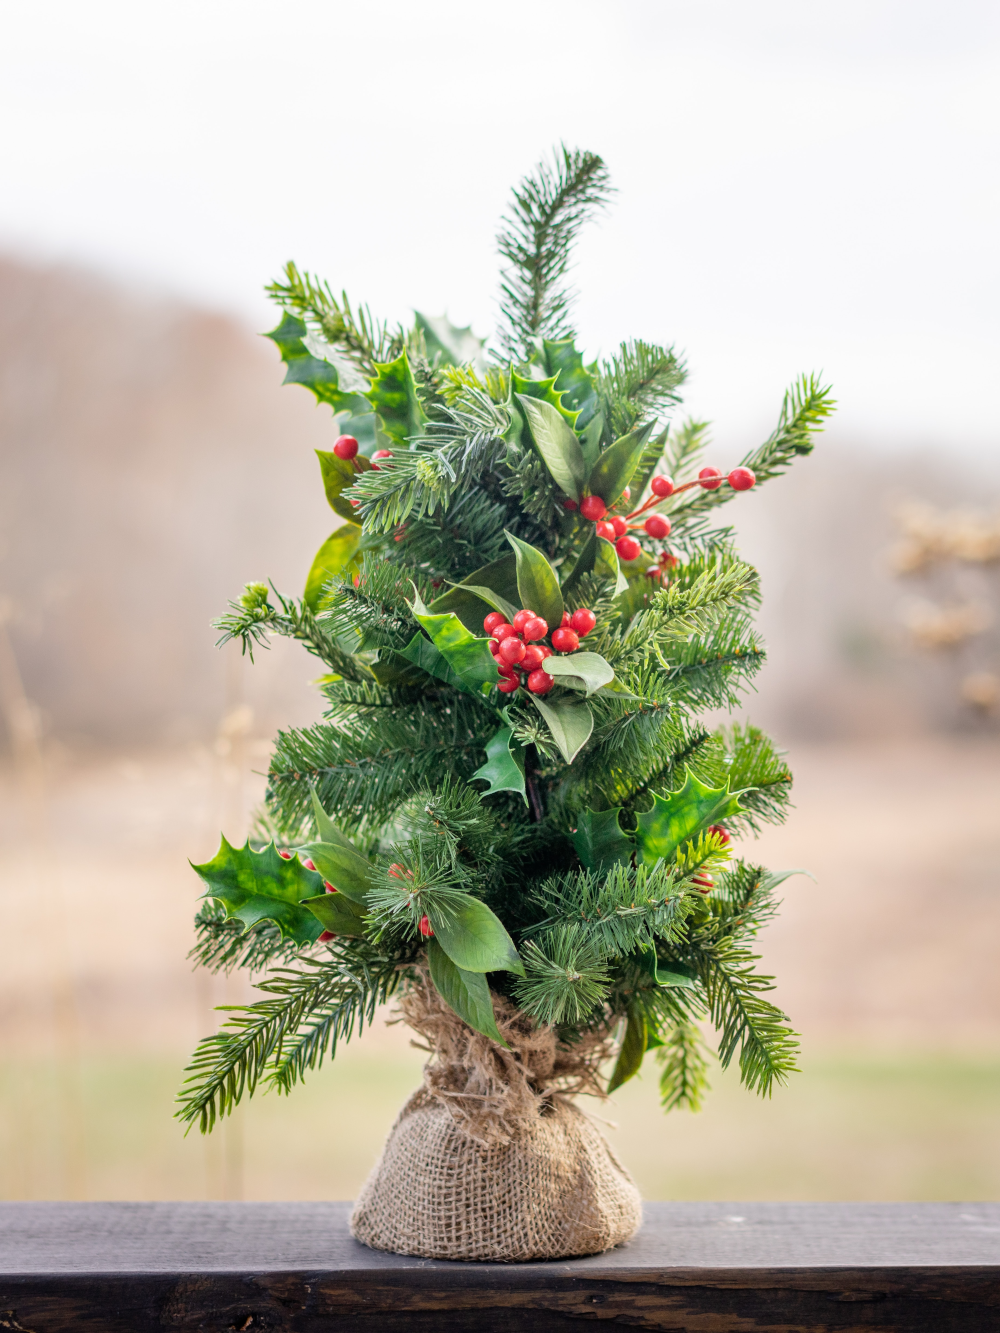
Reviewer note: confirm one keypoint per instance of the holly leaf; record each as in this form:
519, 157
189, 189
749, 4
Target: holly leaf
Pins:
557, 446
338, 475
422, 653
398, 410
586, 672
678, 816
633, 1048
615, 468
303, 368
590, 441
446, 343
263, 886
335, 912
504, 767
474, 938
543, 391
466, 992
537, 585
468, 656
569, 720
599, 841
573, 381
600, 555
491, 588
337, 555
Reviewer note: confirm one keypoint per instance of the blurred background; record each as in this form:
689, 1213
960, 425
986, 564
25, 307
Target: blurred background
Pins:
801, 187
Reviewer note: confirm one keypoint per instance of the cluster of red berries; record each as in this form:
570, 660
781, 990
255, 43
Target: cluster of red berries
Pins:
519, 654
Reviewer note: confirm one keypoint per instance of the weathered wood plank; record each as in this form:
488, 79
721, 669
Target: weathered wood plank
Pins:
790, 1268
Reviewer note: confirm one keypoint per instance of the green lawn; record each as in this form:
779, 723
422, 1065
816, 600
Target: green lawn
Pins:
855, 1126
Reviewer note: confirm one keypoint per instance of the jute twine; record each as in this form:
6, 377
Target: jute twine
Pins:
489, 1159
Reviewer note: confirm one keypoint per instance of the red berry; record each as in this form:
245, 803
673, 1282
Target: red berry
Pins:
657, 526
493, 646
540, 682
741, 479
380, 453
521, 619
710, 478
544, 649
722, 834
512, 650
503, 631
532, 659
627, 493
662, 486
508, 686
627, 547
570, 505
425, 926
565, 619
327, 935
345, 446
583, 621
491, 622
287, 856
308, 864
705, 883
592, 507
329, 887
619, 525
535, 628
653, 572
607, 531
565, 641
504, 669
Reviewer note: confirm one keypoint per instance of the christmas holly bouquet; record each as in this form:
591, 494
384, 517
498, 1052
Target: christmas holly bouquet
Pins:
512, 817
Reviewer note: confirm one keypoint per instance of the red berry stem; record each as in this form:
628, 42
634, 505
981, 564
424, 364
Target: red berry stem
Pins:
655, 500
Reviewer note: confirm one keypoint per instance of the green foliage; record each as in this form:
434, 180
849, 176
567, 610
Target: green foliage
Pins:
263, 886
684, 1077
640, 383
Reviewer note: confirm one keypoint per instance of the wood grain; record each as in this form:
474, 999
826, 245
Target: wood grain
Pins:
786, 1268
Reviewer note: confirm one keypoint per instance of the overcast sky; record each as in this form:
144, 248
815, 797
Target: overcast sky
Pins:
801, 186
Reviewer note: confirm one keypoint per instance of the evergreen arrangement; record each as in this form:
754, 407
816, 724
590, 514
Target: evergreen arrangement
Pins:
524, 611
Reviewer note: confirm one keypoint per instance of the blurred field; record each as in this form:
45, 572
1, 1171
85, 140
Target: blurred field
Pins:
887, 965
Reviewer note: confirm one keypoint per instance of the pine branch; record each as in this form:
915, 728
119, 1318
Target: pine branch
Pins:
684, 1080
753, 762
376, 609
639, 383
224, 945
362, 339
550, 206
711, 671
566, 980
253, 617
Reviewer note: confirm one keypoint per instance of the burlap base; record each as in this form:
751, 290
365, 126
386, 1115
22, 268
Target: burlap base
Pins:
553, 1191
489, 1160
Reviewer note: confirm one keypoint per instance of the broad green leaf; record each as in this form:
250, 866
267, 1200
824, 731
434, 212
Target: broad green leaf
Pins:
681, 814
263, 886
569, 720
474, 938
362, 427
586, 672
607, 563
556, 444
664, 976
393, 669
343, 867
422, 653
599, 840
337, 555
468, 656
590, 442
615, 467
491, 588
632, 1050
308, 370
543, 391
326, 829
584, 562
466, 992
335, 912
338, 475
504, 767
653, 454
573, 380
398, 410
537, 585
449, 345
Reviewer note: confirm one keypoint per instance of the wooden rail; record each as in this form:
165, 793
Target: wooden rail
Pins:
703, 1267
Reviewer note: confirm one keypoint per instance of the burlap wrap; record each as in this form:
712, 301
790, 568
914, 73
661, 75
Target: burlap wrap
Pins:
489, 1160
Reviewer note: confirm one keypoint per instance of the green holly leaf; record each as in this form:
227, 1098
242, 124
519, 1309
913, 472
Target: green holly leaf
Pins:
338, 475
585, 672
673, 976
263, 886
474, 938
597, 555
422, 653
573, 381
599, 840
543, 391
557, 446
303, 368
632, 1050
362, 427
337, 555
447, 344
570, 721
468, 656
504, 767
398, 410
615, 468
537, 585
678, 816
466, 992
335, 912
491, 588
590, 441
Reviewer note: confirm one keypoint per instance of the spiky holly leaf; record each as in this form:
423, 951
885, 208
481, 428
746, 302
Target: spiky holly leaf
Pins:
448, 344
422, 653
681, 814
263, 886
337, 555
468, 656
308, 370
599, 840
399, 414
504, 767
544, 391
572, 379
633, 1048
466, 992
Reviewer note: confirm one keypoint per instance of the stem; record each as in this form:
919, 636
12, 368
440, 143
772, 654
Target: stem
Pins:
655, 500
530, 774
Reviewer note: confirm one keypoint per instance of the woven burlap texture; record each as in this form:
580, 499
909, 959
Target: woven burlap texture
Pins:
489, 1160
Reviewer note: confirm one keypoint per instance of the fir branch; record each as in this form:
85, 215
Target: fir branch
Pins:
359, 337
461, 537
225, 944
710, 671
754, 763
566, 980
684, 448
253, 617
550, 206
640, 382
684, 1080
376, 608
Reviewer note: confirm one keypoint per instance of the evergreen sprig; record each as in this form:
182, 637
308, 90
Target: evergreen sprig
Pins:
362, 339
